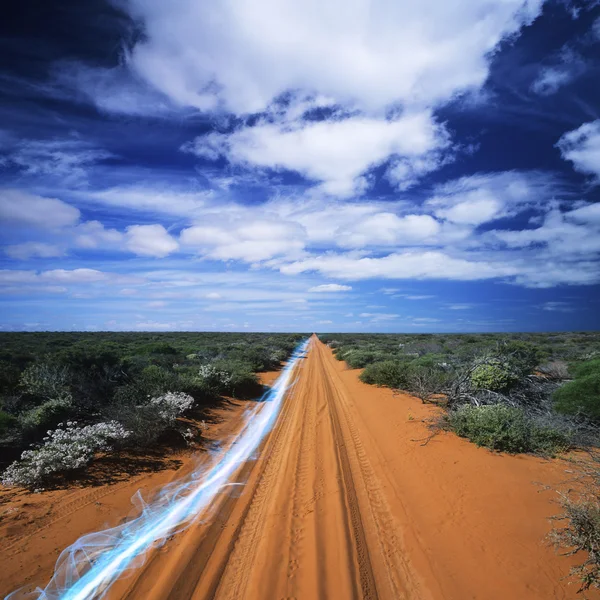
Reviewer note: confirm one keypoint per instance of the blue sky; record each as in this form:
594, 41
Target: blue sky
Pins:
366, 165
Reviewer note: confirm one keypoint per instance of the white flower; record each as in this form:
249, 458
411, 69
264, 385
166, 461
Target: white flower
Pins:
66, 448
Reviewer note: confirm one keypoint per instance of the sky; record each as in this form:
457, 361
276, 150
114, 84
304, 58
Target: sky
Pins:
330, 165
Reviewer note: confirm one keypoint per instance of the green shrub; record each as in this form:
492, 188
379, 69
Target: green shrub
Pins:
523, 357
44, 380
158, 348
589, 367
7, 422
506, 429
46, 416
389, 373
357, 359
152, 381
493, 375
580, 396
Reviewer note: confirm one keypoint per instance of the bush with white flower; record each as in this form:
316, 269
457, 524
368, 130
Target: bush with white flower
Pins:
172, 404
214, 381
66, 448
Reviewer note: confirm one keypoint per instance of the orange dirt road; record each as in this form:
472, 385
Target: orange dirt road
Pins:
342, 503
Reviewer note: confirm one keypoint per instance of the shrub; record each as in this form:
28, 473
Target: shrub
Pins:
45, 416
356, 359
389, 373
505, 428
214, 381
427, 381
44, 380
523, 357
171, 405
580, 396
64, 449
556, 370
146, 423
152, 381
7, 422
589, 367
493, 375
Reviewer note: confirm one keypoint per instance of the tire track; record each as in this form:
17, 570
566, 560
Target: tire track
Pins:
235, 575
397, 571
365, 569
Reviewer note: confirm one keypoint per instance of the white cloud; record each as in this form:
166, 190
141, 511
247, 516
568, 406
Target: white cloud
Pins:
408, 265
157, 304
93, 234
152, 198
66, 159
150, 240
112, 90
33, 250
557, 307
369, 54
245, 239
484, 197
582, 147
22, 208
387, 229
330, 287
550, 79
74, 276
377, 317
334, 153
570, 234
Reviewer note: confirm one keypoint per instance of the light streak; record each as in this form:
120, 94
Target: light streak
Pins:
87, 569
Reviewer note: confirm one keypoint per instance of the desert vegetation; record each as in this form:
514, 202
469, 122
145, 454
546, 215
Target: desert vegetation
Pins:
65, 397
517, 393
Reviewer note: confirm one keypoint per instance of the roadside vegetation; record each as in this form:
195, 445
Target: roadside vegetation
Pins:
517, 393
65, 397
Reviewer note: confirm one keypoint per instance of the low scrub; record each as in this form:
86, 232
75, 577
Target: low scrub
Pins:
7, 422
45, 416
148, 422
582, 395
494, 375
388, 373
507, 429
64, 449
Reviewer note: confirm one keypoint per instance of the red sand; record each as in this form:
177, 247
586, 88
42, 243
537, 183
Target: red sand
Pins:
342, 503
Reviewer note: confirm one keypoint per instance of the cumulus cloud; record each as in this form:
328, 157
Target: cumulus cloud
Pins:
150, 240
330, 287
245, 240
22, 208
93, 234
582, 147
367, 54
334, 153
388, 229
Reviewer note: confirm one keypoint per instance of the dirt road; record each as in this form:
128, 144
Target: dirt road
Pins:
341, 503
